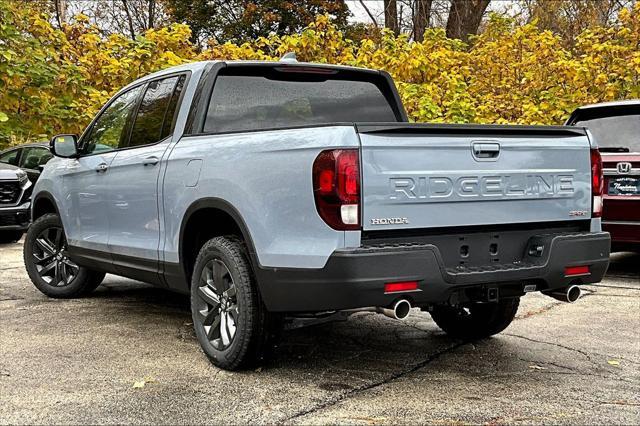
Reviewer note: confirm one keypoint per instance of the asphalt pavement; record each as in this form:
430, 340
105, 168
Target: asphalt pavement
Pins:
128, 354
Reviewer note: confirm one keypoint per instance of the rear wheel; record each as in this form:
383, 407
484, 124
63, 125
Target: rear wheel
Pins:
7, 237
231, 322
48, 265
476, 320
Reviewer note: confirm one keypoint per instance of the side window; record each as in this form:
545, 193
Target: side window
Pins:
32, 157
107, 131
156, 111
170, 118
10, 157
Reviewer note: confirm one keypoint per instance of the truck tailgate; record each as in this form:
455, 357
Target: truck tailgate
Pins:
426, 176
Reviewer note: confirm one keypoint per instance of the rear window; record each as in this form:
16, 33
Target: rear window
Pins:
251, 101
616, 133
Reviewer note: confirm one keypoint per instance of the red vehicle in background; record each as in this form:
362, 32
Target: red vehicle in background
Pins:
616, 128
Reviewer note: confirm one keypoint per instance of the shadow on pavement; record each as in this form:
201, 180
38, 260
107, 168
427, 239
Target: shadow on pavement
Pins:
625, 265
360, 343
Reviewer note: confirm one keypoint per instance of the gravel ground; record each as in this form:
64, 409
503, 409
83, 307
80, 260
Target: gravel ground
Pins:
76, 361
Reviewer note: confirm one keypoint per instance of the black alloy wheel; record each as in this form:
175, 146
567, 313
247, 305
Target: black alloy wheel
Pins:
231, 322
51, 259
217, 304
46, 258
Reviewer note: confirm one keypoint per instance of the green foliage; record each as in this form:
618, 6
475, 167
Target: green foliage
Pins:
54, 81
245, 20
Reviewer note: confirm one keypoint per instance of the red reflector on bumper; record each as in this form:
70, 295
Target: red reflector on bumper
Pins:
401, 286
571, 271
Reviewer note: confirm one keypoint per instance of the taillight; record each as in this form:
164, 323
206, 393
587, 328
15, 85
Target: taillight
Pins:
400, 286
336, 187
597, 183
574, 271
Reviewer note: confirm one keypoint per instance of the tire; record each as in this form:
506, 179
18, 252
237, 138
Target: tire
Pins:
477, 320
231, 322
8, 237
46, 261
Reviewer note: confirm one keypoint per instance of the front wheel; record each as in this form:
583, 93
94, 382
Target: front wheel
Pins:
48, 264
231, 322
476, 320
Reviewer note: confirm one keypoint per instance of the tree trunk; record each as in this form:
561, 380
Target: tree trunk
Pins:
152, 12
61, 11
465, 17
391, 16
129, 19
366, 9
421, 17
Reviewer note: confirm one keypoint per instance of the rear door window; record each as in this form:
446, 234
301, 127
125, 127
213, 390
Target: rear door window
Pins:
155, 117
284, 99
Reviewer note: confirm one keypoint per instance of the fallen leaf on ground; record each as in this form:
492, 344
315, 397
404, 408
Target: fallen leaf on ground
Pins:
140, 384
536, 367
613, 362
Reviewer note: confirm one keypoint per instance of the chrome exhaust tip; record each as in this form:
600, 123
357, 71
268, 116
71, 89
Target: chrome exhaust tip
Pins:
568, 294
399, 310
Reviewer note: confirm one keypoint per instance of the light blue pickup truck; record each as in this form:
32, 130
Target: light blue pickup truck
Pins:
273, 190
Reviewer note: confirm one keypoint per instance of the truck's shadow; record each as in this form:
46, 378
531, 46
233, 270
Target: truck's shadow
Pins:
365, 345
624, 265
329, 359
366, 342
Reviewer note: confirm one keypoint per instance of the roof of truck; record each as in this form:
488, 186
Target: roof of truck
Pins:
199, 65
629, 102
602, 109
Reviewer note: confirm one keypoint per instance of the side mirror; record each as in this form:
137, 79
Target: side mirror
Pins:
65, 146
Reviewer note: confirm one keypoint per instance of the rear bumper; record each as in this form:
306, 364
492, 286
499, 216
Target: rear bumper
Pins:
15, 218
355, 278
623, 233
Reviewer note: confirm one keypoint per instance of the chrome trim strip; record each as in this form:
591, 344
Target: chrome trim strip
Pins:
620, 222
614, 172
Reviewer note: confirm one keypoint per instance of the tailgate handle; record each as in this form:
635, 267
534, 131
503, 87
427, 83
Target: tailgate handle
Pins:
485, 151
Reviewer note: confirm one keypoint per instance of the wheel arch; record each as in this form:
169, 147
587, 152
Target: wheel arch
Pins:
43, 203
226, 220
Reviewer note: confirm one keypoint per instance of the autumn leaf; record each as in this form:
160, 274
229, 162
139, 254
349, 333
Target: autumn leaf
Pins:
56, 80
142, 383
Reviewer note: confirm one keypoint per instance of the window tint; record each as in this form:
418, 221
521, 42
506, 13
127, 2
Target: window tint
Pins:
615, 132
10, 157
250, 102
32, 157
169, 120
107, 131
155, 107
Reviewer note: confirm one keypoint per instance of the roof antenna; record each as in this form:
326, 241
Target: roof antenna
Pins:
289, 57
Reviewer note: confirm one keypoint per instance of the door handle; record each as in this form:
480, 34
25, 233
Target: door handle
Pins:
102, 167
485, 151
150, 161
